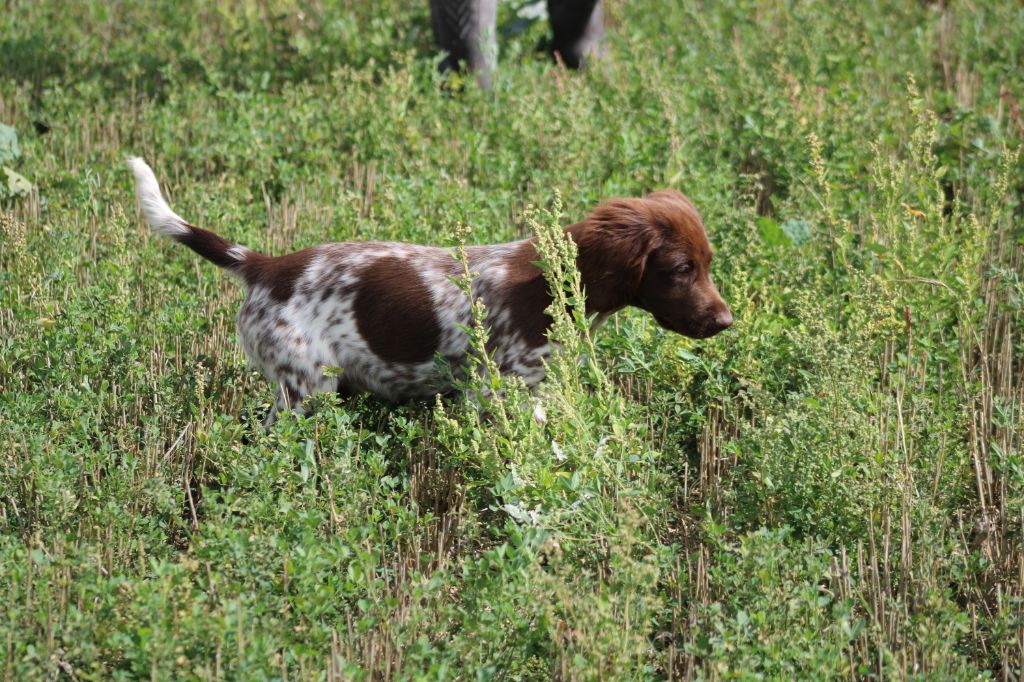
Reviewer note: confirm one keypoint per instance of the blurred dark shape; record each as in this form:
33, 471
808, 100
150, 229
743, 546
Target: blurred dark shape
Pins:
466, 30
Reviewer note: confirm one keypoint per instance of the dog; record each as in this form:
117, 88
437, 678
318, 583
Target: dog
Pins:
383, 312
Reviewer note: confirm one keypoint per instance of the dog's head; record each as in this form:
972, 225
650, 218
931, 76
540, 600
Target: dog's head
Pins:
652, 253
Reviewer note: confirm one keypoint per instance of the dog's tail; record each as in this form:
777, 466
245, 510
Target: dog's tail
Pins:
163, 220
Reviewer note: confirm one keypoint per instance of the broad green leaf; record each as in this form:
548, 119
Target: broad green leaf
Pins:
798, 231
771, 233
15, 183
8, 144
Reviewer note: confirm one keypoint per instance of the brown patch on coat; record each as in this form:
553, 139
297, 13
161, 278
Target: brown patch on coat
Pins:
394, 311
278, 274
210, 246
526, 295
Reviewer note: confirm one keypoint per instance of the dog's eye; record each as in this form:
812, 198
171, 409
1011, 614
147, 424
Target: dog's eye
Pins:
683, 268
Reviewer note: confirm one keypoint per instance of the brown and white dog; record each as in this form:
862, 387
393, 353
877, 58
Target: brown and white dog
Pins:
383, 312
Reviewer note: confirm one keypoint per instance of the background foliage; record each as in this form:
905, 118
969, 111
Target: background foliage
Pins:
832, 489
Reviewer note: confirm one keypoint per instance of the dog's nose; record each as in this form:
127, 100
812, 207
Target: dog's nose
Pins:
724, 319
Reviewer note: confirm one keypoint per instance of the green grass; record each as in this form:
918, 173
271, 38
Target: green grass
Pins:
834, 488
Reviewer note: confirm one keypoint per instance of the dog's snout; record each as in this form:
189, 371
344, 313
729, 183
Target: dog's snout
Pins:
723, 319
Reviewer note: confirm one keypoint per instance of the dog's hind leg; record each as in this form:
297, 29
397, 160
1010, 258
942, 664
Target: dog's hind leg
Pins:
293, 391
288, 397
283, 400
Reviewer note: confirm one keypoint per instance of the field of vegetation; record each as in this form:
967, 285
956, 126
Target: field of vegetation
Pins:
833, 488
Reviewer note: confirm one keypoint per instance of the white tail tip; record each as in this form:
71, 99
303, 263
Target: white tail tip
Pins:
158, 214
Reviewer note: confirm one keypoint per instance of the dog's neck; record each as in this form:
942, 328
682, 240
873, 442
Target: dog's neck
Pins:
600, 273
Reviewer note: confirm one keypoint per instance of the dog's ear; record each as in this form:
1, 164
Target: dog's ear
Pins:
614, 243
669, 199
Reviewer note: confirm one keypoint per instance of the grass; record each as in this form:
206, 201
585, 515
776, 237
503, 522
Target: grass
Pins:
834, 488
